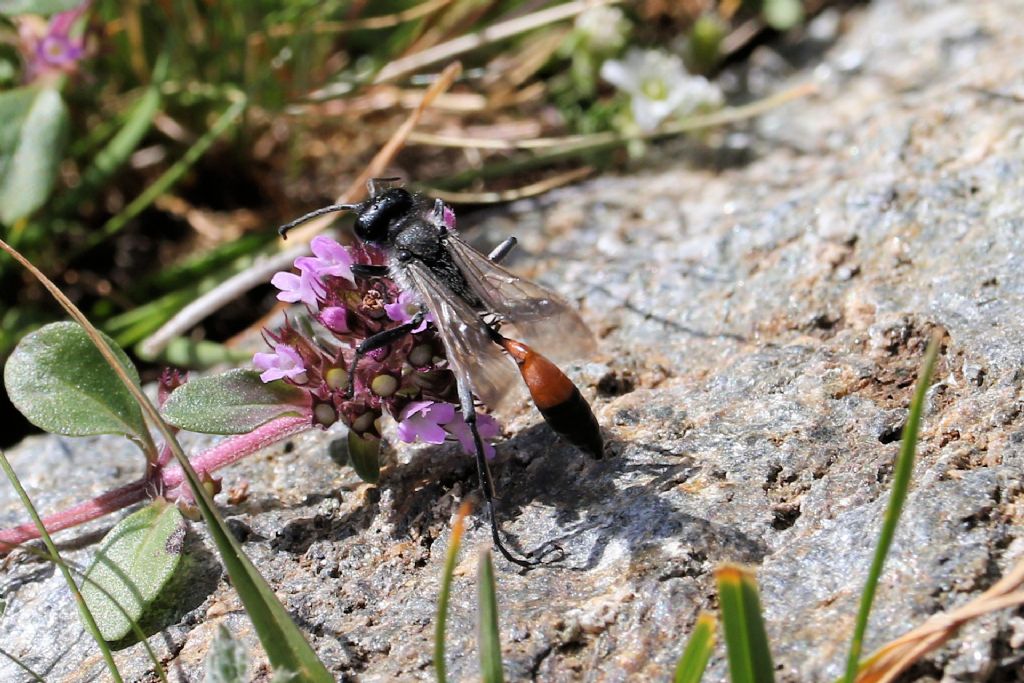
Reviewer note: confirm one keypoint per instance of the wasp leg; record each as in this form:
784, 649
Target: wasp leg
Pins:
487, 486
368, 270
376, 341
502, 250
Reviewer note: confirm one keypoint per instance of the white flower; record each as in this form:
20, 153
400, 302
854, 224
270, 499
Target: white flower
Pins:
604, 28
659, 86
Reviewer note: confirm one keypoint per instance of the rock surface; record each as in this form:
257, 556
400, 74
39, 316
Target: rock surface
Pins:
763, 310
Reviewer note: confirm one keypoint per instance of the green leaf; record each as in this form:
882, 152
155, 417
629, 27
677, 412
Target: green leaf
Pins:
235, 402
750, 659
227, 660
900, 485
33, 130
59, 381
490, 642
43, 7
694, 661
783, 15
136, 559
364, 456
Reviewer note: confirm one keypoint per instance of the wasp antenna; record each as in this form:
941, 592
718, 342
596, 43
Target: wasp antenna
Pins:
283, 230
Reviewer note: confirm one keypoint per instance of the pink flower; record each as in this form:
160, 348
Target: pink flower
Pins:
329, 258
51, 47
422, 420
405, 309
302, 287
285, 361
335, 318
485, 424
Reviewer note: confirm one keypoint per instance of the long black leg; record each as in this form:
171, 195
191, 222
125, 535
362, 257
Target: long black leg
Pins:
382, 338
484, 474
368, 270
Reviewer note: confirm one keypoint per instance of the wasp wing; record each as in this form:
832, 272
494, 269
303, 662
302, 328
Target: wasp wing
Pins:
473, 357
540, 317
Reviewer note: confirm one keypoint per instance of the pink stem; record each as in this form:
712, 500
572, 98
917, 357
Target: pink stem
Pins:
236, 448
78, 514
221, 455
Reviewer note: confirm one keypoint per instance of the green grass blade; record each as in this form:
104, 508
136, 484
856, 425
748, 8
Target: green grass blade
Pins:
171, 175
900, 485
440, 669
750, 659
284, 644
90, 622
116, 152
694, 661
490, 641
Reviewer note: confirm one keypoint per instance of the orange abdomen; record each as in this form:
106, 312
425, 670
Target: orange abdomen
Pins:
557, 398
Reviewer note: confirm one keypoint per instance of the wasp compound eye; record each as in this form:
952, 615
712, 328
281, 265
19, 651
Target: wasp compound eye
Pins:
373, 221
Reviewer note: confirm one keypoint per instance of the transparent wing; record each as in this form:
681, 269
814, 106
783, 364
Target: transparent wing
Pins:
475, 360
540, 317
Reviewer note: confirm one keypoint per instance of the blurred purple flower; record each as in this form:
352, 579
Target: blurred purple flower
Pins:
329, 258
423, 419
51, 47
485, 424
285, 361
303, 287
449, 217
405, 309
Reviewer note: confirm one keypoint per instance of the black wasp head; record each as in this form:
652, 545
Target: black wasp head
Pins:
377, 214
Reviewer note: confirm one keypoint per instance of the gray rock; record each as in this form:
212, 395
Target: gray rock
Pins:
762, 324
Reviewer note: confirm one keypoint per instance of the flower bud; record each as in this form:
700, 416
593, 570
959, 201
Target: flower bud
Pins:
384, 385
421, 355
337, 378
324, 415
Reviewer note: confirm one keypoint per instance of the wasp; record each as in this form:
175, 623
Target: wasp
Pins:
489, 319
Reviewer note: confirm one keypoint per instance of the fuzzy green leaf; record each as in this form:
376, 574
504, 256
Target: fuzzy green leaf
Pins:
227, 660
59, 381
136, 559
33, 130
44, 7
235, 402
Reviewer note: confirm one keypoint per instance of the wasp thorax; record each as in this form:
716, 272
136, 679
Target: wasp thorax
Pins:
373, 221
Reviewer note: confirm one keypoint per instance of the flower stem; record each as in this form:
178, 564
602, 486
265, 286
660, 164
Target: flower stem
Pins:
223, 454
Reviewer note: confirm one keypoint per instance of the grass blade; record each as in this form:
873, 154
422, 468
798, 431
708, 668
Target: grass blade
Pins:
284, 644
490, 641
750, 659
900, 484
171, 175
446, 589
90, 622
694, 661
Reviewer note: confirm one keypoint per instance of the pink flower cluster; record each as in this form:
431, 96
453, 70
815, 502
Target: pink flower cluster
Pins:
407, 379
